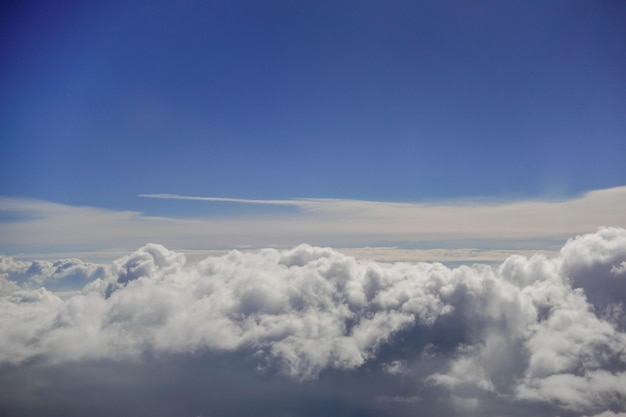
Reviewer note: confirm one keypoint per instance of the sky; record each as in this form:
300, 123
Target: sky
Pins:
343, 208
410, 101
440, 103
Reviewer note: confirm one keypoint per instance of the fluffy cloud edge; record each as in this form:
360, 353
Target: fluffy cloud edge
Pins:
532, 330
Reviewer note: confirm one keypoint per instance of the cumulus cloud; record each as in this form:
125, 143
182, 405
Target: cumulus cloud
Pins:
533, 336
57, 275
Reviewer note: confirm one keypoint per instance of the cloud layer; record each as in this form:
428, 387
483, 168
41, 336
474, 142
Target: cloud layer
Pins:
538, 335
49, 227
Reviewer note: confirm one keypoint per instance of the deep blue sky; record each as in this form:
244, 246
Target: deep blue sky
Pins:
401, 101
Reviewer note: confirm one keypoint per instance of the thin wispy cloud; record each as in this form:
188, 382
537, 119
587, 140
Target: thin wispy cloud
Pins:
301, 203
592, 206
49, 226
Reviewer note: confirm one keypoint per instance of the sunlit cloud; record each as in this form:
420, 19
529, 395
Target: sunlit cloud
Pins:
531, 336
49, 226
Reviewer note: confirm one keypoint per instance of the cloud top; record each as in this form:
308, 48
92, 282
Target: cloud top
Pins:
534, 330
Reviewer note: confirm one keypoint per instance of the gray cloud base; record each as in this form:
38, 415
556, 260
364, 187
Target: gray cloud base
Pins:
311, 331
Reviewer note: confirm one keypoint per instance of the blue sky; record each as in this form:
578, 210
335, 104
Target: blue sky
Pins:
383, 101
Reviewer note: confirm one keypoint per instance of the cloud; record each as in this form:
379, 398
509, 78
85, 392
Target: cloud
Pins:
609, 413
50, 227
288, 329
57, 275
306, 203
475, 218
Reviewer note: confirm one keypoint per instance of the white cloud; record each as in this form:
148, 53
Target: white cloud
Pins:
62, 273
609, 413
496, 338
50, 226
